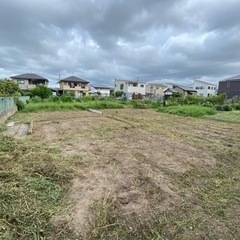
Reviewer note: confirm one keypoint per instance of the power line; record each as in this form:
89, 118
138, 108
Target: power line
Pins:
182, 72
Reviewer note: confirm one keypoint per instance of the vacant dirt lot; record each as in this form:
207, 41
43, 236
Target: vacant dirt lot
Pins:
147, 162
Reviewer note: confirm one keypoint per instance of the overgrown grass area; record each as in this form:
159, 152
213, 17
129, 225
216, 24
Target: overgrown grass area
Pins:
188, 110
33, 183
233, 116
56, 106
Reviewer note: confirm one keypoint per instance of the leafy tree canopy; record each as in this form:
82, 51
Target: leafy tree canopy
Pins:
41, 91
9, 88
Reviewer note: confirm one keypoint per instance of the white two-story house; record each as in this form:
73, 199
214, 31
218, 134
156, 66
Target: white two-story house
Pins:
131, 88
204, 89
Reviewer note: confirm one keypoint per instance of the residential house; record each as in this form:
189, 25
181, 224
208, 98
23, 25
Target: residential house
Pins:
185, 91
77, 87
131, 88
28, 81
169, 92
204, 89
101, 90
230, 86
155, 90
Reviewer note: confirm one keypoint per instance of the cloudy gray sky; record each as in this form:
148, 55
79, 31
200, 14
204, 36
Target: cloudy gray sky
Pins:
100, 40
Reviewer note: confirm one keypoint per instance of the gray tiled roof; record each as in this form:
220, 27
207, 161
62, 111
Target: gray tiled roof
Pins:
73, 79
29, 76
234, 78
103, 87
186, 88
205, 82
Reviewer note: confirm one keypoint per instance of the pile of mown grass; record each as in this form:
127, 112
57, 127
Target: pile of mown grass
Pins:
188, 110
33, 183
56, 106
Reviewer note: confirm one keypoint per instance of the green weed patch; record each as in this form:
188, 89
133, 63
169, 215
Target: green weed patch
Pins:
188, 110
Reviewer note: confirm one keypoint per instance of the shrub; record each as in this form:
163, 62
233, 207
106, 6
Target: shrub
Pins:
118, 93
218, 99
20, 105
195, 99
9, 88
138, 104
66, 98
207, 104
223, 108
41, 91
236, 106
188, 110
54, 99
88, 98
227, 108
36, 99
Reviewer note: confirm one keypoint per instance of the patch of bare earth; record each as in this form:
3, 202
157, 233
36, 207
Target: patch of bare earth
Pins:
132, 159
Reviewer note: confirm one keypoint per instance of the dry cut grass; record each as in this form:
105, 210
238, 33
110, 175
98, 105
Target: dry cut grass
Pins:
129, 174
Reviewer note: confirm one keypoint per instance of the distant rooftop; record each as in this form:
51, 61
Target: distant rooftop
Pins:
103, 87
186, 88
203, 82
29, 76
131, 81
73, 79
235, 78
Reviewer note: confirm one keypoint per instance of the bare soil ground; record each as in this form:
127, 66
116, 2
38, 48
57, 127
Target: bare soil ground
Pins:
135, 157
17, 131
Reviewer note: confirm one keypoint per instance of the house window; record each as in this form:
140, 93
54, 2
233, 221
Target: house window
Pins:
133, 84
228, 85
121, 86
141, 85
72, 85
20, 81
209, 87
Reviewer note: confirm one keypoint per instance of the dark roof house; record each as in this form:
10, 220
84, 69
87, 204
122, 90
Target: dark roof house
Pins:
73, 79
230, 86
28, 81
29, 76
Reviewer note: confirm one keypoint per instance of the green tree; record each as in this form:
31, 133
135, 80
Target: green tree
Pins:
9, 88
119, 93
41, 91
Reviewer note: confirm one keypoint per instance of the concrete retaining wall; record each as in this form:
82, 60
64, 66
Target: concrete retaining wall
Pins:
7, 113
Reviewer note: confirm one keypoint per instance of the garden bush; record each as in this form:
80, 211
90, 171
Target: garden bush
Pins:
223, 108
188, 110
20, 105
36, 99
236, 106
66, 98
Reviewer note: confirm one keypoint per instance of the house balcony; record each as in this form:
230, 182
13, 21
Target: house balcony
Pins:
75, 88
27, 86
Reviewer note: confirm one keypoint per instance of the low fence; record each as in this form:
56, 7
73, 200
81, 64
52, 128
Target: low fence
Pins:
6, 103
7, 108
24, 99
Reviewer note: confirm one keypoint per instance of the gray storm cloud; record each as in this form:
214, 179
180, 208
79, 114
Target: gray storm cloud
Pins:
101, 40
